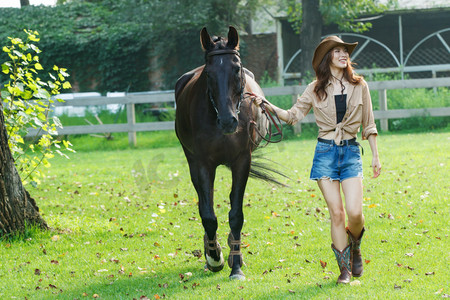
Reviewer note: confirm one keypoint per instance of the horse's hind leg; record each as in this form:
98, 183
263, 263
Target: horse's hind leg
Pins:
240, 170
203, 179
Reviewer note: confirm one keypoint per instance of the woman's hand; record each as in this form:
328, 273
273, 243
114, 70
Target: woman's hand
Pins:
376, 166
258, 100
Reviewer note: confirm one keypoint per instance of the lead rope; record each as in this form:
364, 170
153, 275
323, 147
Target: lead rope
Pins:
272, 120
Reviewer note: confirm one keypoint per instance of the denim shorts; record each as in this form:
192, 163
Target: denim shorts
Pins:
335, 162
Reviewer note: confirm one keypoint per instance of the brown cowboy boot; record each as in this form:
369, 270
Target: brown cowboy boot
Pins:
357, 264
344, 261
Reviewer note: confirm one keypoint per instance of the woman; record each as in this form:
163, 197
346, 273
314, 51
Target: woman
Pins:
341, 103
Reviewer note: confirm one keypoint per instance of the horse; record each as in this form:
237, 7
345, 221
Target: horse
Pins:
217, 124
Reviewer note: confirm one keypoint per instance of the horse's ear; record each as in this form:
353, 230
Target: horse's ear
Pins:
205, 40
233, 38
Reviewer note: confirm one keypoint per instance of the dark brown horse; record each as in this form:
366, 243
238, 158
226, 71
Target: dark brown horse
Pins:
217, 125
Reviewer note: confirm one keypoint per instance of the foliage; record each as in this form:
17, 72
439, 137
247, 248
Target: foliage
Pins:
343, 13
119, 234
105, 46
26, 103
113, 45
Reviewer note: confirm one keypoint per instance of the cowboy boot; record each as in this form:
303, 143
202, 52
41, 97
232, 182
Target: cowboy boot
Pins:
357, 264
212, 249
344, 261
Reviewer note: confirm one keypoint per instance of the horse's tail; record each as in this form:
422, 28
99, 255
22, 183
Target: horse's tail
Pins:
265, 169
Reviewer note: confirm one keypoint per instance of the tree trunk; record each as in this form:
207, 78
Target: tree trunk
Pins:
24, 3
17, 208
310, 34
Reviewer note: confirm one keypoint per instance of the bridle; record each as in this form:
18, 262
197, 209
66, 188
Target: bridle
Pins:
241, 92
275, 121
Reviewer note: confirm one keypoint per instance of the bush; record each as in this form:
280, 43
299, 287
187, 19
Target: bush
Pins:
26, 103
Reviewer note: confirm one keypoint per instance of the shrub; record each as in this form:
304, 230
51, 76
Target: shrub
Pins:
26, 104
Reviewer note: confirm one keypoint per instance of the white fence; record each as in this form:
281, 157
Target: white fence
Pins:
131, 99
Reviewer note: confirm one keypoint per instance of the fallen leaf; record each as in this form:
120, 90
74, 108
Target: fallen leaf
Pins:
37, 272
367, 261
397, 287
291, 291
95, 296
55, 238
323, 264
372, 205
355, 282
429, 273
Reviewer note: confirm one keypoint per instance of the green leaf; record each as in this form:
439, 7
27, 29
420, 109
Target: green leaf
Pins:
5, 69
38, 66
57, 122
67, 85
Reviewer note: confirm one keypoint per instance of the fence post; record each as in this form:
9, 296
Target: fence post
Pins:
383, 107
131, 119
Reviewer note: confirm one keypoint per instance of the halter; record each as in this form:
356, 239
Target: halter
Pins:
241, 97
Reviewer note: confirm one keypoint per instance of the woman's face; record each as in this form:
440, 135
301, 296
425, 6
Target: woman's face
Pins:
339, 57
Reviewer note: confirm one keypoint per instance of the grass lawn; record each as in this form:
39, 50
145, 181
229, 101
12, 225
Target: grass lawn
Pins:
125, 225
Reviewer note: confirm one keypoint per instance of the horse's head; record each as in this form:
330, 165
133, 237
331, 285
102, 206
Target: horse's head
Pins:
225, 77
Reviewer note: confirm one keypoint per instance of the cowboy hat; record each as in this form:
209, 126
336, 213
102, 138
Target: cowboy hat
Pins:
326, 45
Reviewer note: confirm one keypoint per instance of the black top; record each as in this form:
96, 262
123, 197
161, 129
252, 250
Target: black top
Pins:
341, 106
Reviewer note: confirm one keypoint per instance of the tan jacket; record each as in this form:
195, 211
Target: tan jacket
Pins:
359, 112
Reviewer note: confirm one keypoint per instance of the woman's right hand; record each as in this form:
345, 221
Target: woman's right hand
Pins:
258, 100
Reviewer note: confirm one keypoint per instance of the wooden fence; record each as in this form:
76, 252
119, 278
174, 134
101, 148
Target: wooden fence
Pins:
131, 99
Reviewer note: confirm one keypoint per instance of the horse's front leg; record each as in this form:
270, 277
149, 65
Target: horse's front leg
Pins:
240, 170
202, 177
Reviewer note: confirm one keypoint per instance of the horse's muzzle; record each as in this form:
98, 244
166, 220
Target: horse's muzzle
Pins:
228, 125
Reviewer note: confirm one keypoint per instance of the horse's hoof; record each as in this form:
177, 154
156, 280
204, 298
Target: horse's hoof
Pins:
214, 269
214, 266
237, 277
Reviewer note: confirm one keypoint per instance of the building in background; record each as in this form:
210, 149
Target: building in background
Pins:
412, 41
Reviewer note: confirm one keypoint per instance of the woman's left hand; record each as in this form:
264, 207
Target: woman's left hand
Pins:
376, 166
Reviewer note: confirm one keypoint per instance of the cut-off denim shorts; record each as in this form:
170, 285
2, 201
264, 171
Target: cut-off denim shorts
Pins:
336, 162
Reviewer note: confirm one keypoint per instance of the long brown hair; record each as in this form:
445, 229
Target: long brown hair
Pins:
323, 75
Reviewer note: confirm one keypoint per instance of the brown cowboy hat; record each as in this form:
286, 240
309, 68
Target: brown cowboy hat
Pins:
326, 45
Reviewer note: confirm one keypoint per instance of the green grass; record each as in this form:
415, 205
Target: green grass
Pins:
119, 234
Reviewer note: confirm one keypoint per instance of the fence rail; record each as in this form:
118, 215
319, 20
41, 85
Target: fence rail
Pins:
131, 99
